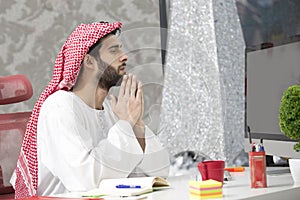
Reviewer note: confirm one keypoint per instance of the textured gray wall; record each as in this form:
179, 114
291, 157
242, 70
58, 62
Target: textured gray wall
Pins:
33, 31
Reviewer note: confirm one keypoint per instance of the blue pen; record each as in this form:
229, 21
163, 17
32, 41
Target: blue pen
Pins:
262, 149
128, 186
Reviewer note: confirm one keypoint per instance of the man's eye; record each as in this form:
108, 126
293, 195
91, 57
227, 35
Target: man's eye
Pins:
114, 50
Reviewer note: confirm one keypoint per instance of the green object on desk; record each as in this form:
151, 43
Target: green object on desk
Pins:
94, 196
289, 114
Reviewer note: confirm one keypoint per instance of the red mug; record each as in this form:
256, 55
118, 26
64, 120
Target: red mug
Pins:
213, 169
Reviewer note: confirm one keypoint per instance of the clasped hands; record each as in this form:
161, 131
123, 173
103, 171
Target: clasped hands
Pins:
129, 105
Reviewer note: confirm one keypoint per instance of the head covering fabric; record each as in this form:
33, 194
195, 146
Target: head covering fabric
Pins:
66, 70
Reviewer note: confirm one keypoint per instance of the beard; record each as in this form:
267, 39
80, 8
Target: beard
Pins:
110, 77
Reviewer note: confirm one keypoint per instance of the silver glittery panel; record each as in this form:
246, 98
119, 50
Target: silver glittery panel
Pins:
231, 60
203, 96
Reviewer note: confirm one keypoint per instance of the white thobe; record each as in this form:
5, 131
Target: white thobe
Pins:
78, 146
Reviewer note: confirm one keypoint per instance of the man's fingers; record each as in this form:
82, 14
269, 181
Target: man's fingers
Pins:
133, 86
139, 94
128, 85
142, 100
123, 86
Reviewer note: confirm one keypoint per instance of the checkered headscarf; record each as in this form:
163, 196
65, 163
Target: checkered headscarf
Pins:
66, 70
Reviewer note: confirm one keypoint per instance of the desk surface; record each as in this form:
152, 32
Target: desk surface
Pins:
280, 186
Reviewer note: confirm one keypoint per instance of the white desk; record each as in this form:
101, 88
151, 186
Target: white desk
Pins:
280, 186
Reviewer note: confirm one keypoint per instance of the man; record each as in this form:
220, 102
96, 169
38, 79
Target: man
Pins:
75, 138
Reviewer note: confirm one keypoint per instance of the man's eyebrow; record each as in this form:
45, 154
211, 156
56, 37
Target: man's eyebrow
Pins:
115, 46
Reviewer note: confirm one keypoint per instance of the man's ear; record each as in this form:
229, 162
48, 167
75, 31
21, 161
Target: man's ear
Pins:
89, 61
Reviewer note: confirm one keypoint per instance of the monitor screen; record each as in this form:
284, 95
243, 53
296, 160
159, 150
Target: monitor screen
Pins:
269, 72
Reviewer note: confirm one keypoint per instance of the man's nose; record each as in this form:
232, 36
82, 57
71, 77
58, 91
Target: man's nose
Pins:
123, 57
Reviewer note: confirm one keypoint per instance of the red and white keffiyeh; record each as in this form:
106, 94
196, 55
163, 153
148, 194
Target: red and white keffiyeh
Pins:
66, 69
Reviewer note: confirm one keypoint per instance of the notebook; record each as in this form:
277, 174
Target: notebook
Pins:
125, 187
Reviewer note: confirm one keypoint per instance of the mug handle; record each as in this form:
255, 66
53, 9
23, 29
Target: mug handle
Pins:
203, 171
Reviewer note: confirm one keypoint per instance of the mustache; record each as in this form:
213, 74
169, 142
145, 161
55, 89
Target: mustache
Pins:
123, 65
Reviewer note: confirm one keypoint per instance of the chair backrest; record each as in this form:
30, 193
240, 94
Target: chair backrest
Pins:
13, 89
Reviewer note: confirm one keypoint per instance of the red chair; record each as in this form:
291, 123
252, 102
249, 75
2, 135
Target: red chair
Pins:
13, 89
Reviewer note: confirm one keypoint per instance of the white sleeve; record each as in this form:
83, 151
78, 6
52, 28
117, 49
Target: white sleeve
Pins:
156, 161
120, 152
76, 162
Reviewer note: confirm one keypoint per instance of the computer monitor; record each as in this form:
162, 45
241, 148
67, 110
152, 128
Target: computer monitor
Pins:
271, 32
269, 72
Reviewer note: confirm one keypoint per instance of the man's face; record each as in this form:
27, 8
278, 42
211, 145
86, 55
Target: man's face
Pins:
112, 61
112, 54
